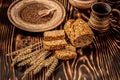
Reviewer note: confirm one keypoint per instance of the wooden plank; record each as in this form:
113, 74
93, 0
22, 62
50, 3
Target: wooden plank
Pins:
98, 61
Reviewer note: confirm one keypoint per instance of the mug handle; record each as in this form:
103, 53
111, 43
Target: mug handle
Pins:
116, 11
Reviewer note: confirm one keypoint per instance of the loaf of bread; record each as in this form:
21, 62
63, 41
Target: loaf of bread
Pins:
68, 53
78, 32
55, 44
54, 35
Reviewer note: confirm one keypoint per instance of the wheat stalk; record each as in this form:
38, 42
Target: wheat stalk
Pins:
49, 61
21, 51
42, 54
34, 65
33, 46
28, 55
38, 68
27, 61
20, 58
51, 68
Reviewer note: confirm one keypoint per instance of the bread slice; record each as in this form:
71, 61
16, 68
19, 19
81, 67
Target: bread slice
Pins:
54, 35
65, 54
53, 45
68, 53
69, 47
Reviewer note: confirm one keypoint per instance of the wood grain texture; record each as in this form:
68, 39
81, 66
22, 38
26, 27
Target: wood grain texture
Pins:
98, 61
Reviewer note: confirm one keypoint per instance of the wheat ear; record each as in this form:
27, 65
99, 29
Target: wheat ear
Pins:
18, 59
51, 68
41, 54
27, 61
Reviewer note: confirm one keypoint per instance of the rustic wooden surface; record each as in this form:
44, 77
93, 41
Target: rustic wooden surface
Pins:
99, 61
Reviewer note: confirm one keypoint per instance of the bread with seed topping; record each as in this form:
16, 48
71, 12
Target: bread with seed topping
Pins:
55, 44
78, 32
68, 53
54, 35
65, 55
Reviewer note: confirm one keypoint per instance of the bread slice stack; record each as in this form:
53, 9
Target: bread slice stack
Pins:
54, 40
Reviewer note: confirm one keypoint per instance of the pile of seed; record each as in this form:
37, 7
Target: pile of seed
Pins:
30, 14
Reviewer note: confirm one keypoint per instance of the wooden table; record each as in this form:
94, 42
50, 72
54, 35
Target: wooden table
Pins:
98, 61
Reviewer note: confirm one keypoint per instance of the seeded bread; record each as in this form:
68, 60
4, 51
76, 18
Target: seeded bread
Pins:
69, 47
65, 55
53, 45
68, 53
78, 32
54, 35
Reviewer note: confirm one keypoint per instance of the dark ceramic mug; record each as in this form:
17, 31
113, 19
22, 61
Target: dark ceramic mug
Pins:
100, 17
